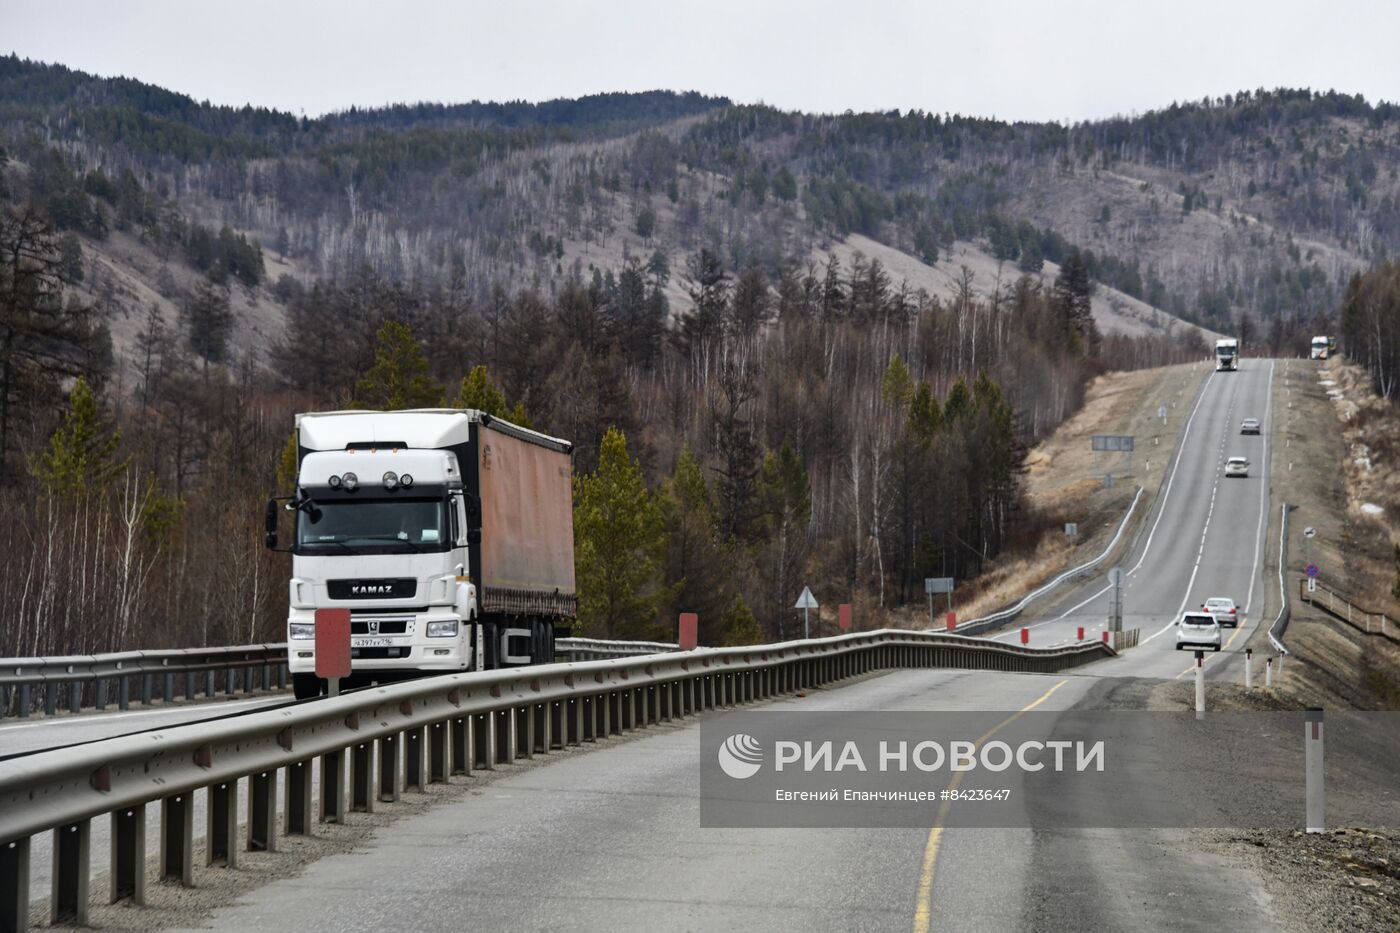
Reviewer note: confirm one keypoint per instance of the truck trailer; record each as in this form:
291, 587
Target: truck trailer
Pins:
1227, 355
447, 533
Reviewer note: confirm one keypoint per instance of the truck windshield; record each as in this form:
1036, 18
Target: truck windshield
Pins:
370, 525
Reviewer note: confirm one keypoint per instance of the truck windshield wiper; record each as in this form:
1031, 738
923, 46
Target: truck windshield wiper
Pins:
337, 543
393, 540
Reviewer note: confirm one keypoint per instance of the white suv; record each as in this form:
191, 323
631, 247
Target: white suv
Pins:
1198, 630
1223, 609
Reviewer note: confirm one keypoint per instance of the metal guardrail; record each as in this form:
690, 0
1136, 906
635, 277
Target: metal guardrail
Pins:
1284, 613
592, 649
1005, 615
75, 680
1344, 610
371, 745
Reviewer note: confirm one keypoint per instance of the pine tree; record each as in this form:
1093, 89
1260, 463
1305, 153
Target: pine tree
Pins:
787, 505
209, 322
896, 387
1073, 301
479, 392
399, 377
698, 565
287, 467
619, 543
82, 453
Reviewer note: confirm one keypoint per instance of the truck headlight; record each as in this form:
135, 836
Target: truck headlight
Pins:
447, 629
301, 631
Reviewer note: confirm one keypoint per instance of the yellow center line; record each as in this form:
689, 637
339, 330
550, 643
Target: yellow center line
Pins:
924, 900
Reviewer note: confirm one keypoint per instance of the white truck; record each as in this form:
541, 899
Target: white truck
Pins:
447, 533
1227, 354
1322, 348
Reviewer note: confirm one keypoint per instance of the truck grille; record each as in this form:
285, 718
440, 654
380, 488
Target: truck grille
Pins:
378, 626
379, 654
398, 588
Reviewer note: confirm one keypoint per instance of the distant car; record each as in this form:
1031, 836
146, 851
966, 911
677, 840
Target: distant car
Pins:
1237, 466
1198, 630
1249, 426
1223, 610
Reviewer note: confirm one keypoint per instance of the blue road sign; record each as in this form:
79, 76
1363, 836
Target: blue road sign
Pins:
1312, 570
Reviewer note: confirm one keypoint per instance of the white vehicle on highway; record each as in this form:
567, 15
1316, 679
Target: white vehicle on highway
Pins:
1198, 630
1223, 610
1250, 426
1237, 466
1227, 355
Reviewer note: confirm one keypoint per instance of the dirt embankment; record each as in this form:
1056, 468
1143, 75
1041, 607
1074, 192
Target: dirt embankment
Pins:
1337, 466
1065, 480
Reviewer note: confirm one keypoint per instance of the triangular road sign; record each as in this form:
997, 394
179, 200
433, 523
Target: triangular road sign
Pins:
806, 600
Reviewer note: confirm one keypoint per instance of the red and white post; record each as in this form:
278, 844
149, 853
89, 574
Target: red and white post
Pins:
1025, 635
1200, 685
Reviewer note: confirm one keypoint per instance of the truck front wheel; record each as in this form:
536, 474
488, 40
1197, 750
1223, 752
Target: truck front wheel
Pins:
306, 686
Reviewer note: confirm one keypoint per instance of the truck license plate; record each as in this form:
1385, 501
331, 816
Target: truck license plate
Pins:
370, 642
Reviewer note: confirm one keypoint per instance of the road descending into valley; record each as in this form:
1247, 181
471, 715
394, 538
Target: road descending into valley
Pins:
612, 839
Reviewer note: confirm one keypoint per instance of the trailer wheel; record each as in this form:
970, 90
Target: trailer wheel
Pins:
306, 686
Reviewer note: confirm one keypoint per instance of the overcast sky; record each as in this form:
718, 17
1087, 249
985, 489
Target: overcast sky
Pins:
1012, 59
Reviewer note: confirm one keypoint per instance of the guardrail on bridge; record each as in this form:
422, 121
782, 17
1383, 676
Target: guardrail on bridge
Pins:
371, 745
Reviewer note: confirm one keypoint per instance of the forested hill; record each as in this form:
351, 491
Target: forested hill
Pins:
1259, 204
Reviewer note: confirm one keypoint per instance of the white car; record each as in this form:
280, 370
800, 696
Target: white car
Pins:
1223, 610
1250, 426
1198, 630
1237, 466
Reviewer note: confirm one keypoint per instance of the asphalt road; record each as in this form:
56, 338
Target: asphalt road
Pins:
1204, 537
611, 839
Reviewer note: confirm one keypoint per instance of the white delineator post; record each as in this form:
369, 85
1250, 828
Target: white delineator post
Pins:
1314, 794
1280, 665
1200, 685
1248, 674
1268, 672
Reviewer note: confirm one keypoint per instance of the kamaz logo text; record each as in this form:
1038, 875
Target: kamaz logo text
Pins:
363, 589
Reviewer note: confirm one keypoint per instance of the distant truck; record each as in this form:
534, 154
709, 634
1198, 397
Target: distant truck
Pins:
1323, 348
447, 533
1227, 354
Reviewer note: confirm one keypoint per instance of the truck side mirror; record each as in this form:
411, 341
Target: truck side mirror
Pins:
270, 524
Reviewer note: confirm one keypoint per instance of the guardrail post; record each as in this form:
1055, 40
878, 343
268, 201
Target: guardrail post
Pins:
14, 885
50, 704
614, 713
25, 701
362, 777
231, 681
525, 731
298, 790
223, 824
575, 717
145, 689
128, 847
189, 685
262, 811
484, 741
168, 688
209, 684
462, 750
390, 750
505, 735
75, 696
439, 753
69, 882
589, 723
557, 735
414, 750
539, 712
333, 799
99, 695
177, 839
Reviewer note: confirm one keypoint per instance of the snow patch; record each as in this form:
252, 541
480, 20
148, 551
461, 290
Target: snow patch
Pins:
1370, 508
1326, 382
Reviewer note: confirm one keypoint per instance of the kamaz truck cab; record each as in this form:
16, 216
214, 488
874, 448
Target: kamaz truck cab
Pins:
447, 534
